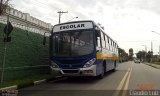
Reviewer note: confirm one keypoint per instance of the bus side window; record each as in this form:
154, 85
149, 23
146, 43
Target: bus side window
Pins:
117, 48
103, 42
98, 38
111, 46
102, 39
107, 45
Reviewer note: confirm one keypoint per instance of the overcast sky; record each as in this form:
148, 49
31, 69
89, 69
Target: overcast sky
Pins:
129, 22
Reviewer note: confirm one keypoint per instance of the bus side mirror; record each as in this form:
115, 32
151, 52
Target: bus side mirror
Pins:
44, 40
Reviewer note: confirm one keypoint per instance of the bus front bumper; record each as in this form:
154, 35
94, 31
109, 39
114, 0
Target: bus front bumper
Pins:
90, 71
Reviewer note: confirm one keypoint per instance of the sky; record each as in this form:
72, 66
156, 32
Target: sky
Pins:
129, 22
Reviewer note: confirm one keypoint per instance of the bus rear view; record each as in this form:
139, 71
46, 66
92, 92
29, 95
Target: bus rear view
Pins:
73, 49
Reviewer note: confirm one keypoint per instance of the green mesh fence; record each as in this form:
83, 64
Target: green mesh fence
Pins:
25, 55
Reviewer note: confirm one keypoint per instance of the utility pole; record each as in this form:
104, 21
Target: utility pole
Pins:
151, 46
157, 34
5, 47
60, 13
159, 50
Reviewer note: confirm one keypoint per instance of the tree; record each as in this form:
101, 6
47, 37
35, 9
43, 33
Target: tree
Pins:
123, 56
149, 56
3, 6
141, 55
8, 28
131, 54
144, 56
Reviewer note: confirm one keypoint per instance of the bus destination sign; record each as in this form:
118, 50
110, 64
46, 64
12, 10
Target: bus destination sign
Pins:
73, 26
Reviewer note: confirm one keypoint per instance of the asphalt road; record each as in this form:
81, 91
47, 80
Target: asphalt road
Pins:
128, 76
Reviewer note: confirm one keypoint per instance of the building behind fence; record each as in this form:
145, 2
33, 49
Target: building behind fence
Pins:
25, 21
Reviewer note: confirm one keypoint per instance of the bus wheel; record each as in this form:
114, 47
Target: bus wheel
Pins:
114, 67
102, 74
113, 70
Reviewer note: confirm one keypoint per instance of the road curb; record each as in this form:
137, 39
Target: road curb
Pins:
152, 65
39, 81
15, 87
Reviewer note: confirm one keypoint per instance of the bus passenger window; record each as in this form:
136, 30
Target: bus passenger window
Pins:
107, 45
103, 40
98, 38
98, 33
113, 47
98, 42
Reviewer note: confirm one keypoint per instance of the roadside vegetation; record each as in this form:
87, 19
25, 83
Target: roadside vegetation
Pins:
123, 56
148, 57
27, 81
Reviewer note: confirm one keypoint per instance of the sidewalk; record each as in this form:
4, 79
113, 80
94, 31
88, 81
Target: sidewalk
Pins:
153, 65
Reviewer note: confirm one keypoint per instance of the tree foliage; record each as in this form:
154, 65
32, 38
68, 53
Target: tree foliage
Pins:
3, 6
131, 54
143, 55
149, 56
123, 56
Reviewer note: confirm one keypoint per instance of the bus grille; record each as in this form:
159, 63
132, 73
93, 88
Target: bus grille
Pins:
70, 61
70, 71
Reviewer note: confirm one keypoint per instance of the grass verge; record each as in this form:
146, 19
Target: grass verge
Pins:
157, 63
27, 81
154, 65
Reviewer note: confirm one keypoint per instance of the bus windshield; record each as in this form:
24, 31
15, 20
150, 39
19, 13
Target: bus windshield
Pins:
73, 43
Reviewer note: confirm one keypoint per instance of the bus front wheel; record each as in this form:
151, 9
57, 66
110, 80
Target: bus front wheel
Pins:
102, 74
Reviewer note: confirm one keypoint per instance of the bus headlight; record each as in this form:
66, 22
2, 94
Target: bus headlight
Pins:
89, 63
54, 65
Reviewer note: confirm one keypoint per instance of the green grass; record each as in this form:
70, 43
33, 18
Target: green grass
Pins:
154, 65
25, 49
158, 63
26, 80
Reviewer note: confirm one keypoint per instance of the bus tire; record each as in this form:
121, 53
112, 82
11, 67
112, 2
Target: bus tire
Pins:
114, 67
103, 71
113, 70
101, 75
